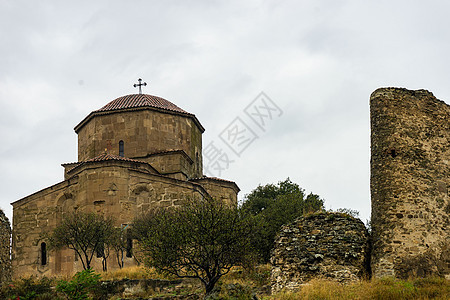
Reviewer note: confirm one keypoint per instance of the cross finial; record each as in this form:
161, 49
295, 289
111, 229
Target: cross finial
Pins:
140, 84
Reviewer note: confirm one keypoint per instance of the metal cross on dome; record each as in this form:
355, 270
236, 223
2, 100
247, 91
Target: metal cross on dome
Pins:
140, 84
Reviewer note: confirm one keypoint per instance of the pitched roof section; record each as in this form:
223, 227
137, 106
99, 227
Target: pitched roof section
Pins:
106, 157
139, 102
205, 178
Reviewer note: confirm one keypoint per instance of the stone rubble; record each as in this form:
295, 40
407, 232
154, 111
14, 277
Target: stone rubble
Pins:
324, 245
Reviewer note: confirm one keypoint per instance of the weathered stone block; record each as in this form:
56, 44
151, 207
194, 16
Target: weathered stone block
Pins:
339, 251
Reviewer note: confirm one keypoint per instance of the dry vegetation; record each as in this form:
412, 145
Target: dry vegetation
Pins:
243, 284
137, 272
384, 289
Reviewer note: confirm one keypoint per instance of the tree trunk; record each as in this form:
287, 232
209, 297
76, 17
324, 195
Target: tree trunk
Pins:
209, 286
105, 268
88, 263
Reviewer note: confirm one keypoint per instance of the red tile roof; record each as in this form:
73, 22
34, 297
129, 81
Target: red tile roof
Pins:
104, 157
138, 102
141, 100
107, 156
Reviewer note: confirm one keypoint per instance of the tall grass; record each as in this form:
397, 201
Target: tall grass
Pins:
136, 272
378, 289
243, 284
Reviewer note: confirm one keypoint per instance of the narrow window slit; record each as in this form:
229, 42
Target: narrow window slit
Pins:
129, 248
43, 254
121, 149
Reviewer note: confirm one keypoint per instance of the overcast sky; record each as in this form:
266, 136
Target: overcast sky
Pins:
317, 61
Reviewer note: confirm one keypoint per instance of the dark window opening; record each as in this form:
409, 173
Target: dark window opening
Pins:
43, 254
121, 149
129, 248
393, 153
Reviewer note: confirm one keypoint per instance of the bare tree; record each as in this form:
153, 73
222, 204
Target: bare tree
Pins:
85, 233
119, 244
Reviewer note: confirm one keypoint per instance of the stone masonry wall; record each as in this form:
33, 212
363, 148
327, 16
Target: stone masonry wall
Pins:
410, 183
143, 132
115, 188
220, 190
5, 237
322, 245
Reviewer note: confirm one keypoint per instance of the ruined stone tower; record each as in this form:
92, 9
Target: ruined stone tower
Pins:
5, 238
410, 183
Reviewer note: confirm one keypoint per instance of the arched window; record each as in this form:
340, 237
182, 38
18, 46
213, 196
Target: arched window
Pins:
121, 149
43, 254
129, 248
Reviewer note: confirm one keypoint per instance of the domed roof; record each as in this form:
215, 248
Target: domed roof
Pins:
138, 102
141, 100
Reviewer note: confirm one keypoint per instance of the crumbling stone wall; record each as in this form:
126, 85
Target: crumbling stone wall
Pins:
410, 181
322, 245
5, 237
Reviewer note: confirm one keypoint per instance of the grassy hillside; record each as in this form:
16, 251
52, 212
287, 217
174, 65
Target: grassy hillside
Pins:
239, 284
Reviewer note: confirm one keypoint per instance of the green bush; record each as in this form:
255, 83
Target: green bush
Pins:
29, 288
79, 287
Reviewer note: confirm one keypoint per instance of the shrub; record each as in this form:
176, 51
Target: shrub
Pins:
29, 288
79, 287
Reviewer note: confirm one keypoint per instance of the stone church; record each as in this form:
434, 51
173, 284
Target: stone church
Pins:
136, 152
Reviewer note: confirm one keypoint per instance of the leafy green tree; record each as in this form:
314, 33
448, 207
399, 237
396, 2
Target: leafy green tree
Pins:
202, 239
85, 233
274, 205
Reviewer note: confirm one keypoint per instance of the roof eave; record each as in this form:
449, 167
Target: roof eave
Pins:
101, 113
96, 164
220, 180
